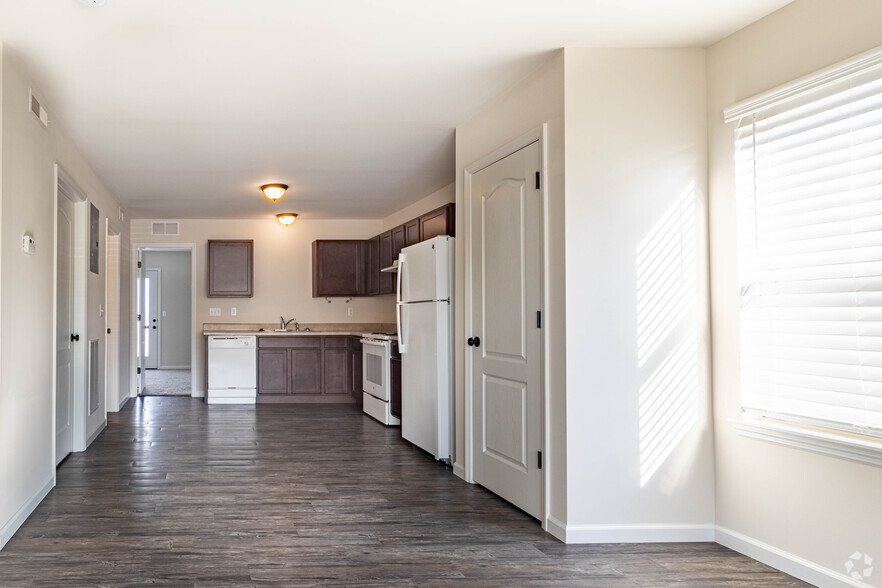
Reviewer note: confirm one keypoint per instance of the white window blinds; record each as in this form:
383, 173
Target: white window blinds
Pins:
809, 217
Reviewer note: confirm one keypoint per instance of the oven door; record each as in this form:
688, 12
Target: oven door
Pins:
375, 367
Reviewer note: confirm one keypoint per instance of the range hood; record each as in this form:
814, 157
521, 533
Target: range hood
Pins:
391, 268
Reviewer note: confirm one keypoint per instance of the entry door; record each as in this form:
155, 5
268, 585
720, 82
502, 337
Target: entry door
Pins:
151, 318
506, 296
64, 331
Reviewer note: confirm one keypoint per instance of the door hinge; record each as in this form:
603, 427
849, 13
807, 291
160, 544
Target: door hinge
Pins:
108, 331
139, 265
139, 370
538, 319
540, 460
537, 180
139, 317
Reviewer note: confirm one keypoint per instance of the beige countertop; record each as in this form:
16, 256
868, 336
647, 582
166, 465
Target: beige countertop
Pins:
315, 329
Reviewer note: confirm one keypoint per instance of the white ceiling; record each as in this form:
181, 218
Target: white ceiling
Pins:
184, 107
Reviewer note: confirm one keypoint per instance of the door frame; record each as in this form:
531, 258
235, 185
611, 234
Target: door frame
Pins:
112, 355
66, 187
135, 363
537, 134
158, 271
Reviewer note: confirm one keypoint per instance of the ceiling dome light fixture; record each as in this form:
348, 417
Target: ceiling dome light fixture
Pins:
287, 218
94, 2
273, 191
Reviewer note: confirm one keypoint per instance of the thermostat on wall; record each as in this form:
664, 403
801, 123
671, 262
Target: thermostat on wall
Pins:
28, 244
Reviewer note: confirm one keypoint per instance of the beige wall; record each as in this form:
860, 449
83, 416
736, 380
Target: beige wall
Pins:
282, 275
812, 506
639, 438
537, 100
27, 284
423, 205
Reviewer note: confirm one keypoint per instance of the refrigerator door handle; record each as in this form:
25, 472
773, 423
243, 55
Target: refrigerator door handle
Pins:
402, 259
402, 335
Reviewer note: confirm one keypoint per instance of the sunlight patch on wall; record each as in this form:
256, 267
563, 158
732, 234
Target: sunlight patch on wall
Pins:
666, 274
667, 342
668, 406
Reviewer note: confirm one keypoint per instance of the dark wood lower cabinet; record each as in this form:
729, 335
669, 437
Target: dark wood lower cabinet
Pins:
272, 369
306, 368
306, 371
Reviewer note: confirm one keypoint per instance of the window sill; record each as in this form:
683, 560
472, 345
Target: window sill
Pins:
863, 450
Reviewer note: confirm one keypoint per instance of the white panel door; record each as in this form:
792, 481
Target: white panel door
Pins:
151, 319
505, 298
64, 331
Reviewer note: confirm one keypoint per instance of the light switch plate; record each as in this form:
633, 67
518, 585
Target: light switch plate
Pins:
233, 311
214, 312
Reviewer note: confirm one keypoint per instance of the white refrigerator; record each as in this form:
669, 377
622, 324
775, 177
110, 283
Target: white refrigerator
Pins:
425, 341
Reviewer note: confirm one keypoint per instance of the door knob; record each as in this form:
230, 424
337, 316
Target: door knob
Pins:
154, 327
474, 341
74, 337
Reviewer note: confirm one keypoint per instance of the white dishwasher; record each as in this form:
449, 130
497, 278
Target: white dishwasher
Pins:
232, 369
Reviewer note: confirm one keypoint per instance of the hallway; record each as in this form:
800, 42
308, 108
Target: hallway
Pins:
177, 493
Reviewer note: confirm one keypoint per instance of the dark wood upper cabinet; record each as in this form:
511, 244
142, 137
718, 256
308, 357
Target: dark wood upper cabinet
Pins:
230, 268
338, 268
387, 279
398, 241
372, 266
438, 222
412, 232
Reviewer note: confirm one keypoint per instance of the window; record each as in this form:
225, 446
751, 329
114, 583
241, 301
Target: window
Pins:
808, 160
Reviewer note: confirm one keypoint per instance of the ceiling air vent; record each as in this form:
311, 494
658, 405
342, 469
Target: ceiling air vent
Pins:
37, 109
165, 228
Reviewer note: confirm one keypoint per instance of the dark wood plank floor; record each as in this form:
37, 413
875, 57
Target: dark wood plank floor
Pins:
177, 493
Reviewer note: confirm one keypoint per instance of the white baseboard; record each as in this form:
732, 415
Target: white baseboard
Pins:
784, 561
95, 434
9, 529
122, 402
556, 528
630, 533
458, 470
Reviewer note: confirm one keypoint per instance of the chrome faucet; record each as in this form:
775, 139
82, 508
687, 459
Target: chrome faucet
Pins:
283, 324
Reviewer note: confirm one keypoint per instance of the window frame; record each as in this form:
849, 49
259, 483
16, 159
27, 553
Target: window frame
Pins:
838, 442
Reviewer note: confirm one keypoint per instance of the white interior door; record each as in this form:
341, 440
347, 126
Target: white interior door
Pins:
150, 281
507, 351
64, 330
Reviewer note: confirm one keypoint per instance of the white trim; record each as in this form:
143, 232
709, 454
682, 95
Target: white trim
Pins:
97, 432
66, 187
829, 75
122, 402
536, 135
782, 560
650, 533
9, 529
195, 342
459, 470
158, 312
556, 528
853, 448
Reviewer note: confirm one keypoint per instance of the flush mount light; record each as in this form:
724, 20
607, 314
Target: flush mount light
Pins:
287, 218
93, 2
273, 191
